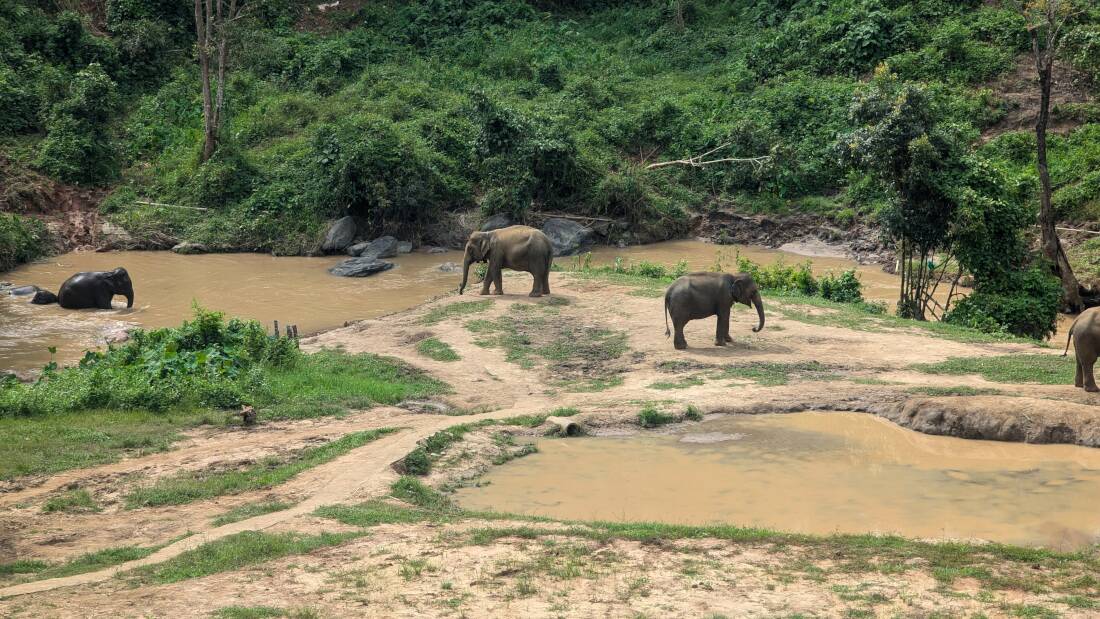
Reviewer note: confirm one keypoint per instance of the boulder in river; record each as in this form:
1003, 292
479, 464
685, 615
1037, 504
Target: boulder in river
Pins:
189, 248
114, 236
22, 291
404, 247
449, 267
339, 235
435, 250
568, 237
496, 222
360, 267
357, 249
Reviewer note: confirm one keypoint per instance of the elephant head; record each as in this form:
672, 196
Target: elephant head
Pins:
743, 290
477, 250
121, 284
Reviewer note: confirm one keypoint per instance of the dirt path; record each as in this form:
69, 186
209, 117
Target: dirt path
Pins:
522, 356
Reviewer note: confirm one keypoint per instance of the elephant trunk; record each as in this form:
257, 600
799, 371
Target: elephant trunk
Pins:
759, 310
465, 271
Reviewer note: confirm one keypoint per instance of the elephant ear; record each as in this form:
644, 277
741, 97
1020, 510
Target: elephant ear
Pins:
737, 286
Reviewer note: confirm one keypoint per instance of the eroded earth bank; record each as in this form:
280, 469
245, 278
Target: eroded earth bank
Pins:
352, 536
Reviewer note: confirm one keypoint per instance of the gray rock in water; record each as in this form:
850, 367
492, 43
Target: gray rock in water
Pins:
360, 267
404, 247
187, 247
22, 291
568, 237
436, 250
381, 247
340, 234
44, 297
496, 222
114, 236
449, 267
357, 249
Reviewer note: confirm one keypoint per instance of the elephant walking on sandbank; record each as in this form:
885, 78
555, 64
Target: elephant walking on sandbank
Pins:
701, 295
519, 248
91, 289
1085, 334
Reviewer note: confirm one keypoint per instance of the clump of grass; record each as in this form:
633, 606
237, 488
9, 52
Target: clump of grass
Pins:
592, 385
651, 417
193, 486
22, 566
436, 349
250, 510
233, 552
376, 512
74, 501
419, 460
692, 413
959, 390
413, 491
683, 383
460, 308
89, 562
1016, 368
772, 374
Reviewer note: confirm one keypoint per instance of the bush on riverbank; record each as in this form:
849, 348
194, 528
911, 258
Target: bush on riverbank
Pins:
22, 239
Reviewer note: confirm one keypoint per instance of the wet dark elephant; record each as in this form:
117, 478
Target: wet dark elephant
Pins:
701, 295
1085, 334
519, 248
96, 289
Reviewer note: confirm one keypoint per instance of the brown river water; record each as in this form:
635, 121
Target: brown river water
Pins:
813, 473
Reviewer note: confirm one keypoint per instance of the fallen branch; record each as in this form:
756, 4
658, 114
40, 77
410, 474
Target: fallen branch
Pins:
193, 208
699, 161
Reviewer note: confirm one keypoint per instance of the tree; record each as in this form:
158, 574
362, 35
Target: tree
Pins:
212, 19
1046, 27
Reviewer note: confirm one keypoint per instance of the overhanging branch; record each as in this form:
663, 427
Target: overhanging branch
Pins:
701, 160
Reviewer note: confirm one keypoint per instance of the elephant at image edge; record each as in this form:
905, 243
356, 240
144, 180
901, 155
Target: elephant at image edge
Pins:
701, 295
96, 289
519, 248
1085, 334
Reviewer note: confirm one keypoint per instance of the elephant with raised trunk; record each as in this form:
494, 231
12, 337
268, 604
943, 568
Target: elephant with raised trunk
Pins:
701, 295
519, 248
92, 289
1085, 334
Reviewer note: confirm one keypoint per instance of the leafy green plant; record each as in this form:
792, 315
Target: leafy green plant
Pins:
651, 417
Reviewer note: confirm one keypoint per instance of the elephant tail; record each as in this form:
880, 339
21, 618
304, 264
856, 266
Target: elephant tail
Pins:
668, 332
1069, 336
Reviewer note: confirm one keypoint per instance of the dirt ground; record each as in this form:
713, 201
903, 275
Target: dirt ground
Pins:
595, 346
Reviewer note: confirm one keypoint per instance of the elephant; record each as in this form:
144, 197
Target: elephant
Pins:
92, 289
1085, 334
44, 297
701, 295
519, 248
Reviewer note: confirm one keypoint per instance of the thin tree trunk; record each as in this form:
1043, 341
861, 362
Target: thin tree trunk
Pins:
1052, 246
202, 32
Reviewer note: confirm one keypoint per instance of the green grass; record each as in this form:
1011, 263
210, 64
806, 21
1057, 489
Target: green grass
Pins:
413, 491
460, 308
774, 374
196, 486
651, 417
683, 383
250, 510
958, 390
591, 385
56, 442
438, 350
264, 612
1015, 368
74, 501
233, 552
330, 382
89, 562
22, 566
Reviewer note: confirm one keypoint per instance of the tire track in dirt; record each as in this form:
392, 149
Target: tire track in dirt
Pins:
363, 473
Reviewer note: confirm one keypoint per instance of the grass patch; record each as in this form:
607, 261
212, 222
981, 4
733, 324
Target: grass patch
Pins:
250, 510
1042, 369
376, 512
461, 308
683, 383
22, 566
433, 348
651, 417
416, 492
90, 562
419, 460
330, 382
74, 501
591, 385
233, 552
958, 390
194, 486
773, 374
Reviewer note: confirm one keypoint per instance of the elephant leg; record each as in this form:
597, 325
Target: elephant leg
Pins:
536, 283
498, 282
678, 327
1086, 367
546, 282
103, 301
722, 330
1079, 378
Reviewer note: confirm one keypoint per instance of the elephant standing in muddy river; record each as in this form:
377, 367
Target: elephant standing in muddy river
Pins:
701, 295
1085, 333
92, 289
519, 248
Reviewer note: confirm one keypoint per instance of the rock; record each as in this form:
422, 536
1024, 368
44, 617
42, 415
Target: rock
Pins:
452, 229
568, 237
113, 236
339, 235
360, 267
404, 247
22, 291
436, 250
449, 267
44, 297
425, 406
357, 249
189, 248
381, 247
496, 222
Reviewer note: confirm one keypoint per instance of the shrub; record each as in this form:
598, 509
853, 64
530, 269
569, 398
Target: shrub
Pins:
843, 288
22, 239
651, 417
1025, 304
77, 147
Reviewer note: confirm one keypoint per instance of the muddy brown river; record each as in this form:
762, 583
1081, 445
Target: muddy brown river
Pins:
814, 473
291, 290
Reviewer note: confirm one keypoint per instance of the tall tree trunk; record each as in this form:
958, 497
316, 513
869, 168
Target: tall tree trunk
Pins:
1052, 246
203, 28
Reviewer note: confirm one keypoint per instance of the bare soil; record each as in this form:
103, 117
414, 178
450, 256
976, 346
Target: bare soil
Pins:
859, 371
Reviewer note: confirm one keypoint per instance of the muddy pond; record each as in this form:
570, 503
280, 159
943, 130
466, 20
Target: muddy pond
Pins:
810, 472
291, 290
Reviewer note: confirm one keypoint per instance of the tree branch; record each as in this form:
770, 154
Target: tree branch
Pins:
701, 160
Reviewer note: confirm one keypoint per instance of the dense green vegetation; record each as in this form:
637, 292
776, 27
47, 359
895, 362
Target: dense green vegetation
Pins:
22, 239
396, 111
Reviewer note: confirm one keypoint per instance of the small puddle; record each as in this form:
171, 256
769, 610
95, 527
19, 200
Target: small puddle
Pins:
812, 473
